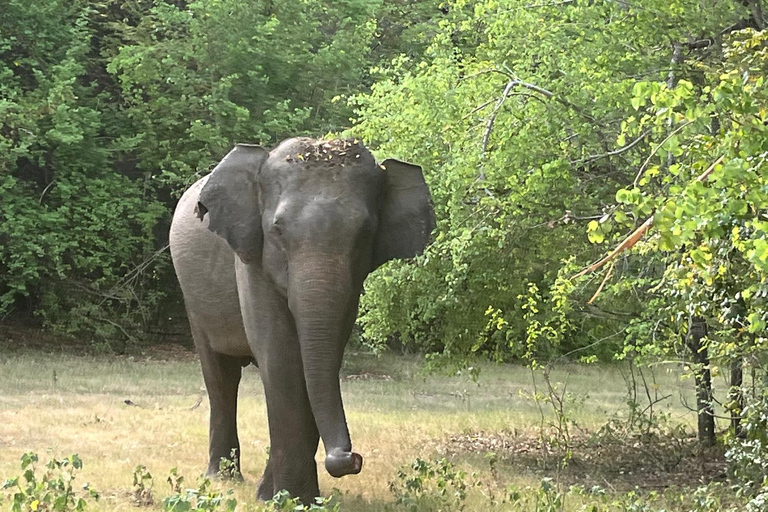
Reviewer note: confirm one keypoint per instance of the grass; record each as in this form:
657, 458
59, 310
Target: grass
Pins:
62, 404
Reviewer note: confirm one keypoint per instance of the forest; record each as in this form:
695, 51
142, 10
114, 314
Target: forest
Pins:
598, 170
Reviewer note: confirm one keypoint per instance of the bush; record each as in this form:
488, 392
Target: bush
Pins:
52, 490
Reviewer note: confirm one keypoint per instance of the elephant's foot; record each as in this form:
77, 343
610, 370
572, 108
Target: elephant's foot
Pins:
300, 484
339, 463
265, 490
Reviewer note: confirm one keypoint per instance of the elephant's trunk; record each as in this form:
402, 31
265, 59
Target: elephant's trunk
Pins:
323, 301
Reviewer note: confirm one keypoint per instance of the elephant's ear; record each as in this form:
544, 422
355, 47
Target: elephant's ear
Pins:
406, 217
230, 199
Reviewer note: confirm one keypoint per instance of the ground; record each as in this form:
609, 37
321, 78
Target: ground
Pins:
150, 408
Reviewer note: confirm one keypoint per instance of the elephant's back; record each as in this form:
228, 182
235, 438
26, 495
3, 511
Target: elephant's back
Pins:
205, 266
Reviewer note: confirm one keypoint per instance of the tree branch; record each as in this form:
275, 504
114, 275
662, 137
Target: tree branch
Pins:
516, 82
637, 234
492, 118
756, 8
548, 4
616, 152
656, 150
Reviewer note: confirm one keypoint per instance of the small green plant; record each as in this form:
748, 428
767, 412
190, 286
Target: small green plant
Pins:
426, 483
284, 502
175, 480
200, 498
50, 491
229, 467
549, 497
142, 486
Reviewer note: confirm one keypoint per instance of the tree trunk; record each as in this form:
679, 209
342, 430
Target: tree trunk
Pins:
735, 395
697, 331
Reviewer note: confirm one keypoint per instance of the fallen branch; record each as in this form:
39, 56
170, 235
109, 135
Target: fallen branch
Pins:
637, 234
602, 284
623, 246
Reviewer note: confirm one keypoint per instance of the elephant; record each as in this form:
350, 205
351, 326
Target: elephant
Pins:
271, 250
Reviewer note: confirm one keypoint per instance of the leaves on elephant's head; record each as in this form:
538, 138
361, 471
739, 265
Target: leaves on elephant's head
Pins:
330, 153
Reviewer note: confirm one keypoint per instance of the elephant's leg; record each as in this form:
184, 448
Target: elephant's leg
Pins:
222, 377
266, 487
293, 434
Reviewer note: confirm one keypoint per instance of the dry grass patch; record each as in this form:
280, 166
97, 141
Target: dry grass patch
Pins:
121, 412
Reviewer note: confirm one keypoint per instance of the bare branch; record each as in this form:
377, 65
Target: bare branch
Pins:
609, 154
492, 118
515, 82
45, 191
135, 272
656, 150
548, 4
477, 109
608, 275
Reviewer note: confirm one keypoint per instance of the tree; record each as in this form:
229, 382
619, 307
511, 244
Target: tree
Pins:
109, 109
66, 237
525, 147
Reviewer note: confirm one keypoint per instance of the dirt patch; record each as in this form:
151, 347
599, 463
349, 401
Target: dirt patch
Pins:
616, 462
367, 376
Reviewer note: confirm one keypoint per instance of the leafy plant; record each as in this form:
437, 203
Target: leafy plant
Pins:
142, 486
430, 483
282, 501
50, 490
203, 497
229, 466
523, 151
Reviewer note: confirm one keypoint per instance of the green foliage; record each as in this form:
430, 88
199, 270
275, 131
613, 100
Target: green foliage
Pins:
197, 77
548, 131
748, 456
282, 501
71, 227
430, 484
203, 497
708, 240
51, 490
438, 485
703, 183
228, 466
109, 109
142, 486
524, 148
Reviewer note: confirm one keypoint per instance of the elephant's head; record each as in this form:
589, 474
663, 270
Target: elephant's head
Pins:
317, 217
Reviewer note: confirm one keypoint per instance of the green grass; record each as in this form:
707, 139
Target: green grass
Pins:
60, 404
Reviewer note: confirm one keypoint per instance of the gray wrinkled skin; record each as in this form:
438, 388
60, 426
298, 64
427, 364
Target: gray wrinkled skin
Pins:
271, 251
